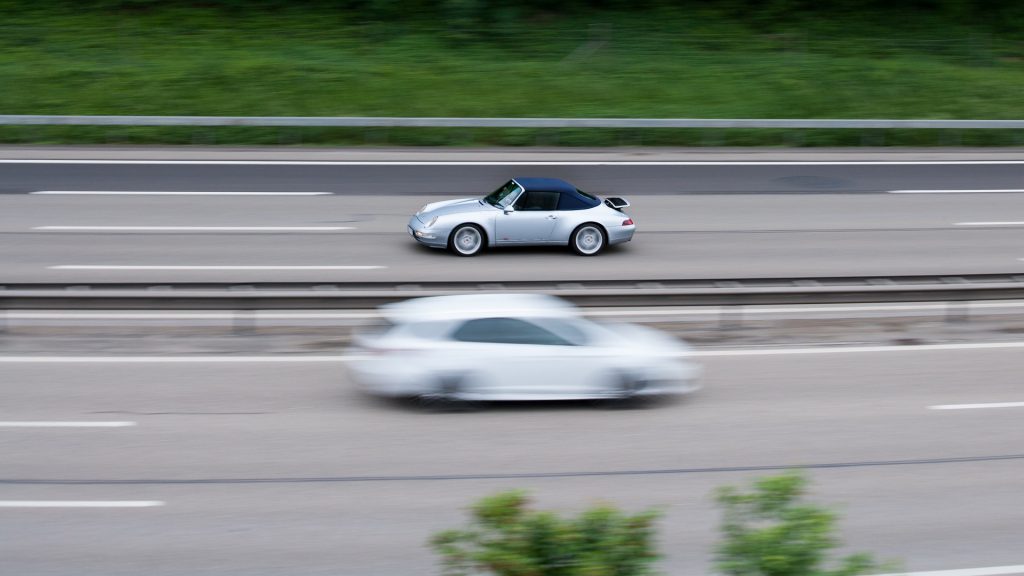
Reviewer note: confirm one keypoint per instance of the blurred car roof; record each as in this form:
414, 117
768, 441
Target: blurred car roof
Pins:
465, 306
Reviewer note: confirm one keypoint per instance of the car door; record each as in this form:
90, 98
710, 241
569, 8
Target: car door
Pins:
528, 359
531, 221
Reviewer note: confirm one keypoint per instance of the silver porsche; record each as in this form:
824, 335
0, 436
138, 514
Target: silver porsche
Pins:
525, 212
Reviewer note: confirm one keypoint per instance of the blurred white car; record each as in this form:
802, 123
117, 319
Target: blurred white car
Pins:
515, 347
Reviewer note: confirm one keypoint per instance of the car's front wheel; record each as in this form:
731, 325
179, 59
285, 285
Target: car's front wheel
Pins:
587, 239
623, 392
466, 240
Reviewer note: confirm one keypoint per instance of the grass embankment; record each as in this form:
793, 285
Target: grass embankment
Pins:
204, 62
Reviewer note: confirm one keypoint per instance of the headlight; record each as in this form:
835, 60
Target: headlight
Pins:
432, 221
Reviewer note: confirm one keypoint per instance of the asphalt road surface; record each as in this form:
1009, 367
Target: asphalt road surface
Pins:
283, 468
694, 220
259, 468
480, 178
339, 238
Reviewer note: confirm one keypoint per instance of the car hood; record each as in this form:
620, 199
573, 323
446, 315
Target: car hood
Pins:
446, 207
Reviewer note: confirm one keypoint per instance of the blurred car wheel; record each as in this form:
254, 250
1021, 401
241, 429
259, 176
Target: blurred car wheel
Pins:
447, 397
623, 393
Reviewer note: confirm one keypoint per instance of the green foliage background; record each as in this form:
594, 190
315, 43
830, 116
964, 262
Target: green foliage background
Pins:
574, 58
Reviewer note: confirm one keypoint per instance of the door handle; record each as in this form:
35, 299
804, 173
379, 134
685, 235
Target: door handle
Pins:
552, 217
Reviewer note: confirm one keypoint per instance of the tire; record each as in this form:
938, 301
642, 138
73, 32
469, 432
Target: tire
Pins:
623, 394
588, 239
466, 240
446, 397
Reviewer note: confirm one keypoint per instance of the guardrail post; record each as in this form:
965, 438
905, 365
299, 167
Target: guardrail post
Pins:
243, 322
3, 321
957, 312
730, 317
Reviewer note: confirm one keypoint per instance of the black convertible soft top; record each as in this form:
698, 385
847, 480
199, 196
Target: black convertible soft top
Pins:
549, 184
583, 200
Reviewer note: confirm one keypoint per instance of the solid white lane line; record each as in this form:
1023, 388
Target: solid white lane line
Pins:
858, 349
989, 224
80, 503
987, 571
988, 191
159, 267
44, 424
347, 358
977, 406
526, 163
193, 228
170, 193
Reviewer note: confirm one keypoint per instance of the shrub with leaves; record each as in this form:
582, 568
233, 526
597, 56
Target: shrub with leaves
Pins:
507, 538
771, 531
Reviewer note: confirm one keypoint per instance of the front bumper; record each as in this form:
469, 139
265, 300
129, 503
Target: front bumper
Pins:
426, 236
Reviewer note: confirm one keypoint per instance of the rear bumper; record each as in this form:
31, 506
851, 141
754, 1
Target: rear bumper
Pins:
383, 378
620, 234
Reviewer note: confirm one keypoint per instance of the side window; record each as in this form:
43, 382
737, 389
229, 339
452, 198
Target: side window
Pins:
537, 200
570, 330
579, 201
507, 331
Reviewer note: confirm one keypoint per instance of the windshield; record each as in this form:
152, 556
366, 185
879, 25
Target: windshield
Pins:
503, 196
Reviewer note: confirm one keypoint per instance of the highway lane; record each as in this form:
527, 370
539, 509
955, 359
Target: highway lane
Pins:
49, 239
287, 425
476, 178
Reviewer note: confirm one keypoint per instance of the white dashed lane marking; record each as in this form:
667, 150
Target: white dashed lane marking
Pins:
80, 503
56, 424
191, 228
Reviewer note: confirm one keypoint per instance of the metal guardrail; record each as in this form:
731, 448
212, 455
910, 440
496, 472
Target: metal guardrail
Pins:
294, 296
409, 122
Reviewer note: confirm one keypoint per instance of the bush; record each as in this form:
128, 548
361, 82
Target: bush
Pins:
771, 532
506, 538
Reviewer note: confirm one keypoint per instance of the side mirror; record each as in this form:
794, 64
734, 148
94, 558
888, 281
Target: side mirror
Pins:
509, 209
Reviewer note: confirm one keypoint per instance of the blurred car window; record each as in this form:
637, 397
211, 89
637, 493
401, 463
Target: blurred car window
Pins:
573, 331
507, 331
537, 200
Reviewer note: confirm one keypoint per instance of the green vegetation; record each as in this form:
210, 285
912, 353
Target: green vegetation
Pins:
508, 539
455, 59
769, 531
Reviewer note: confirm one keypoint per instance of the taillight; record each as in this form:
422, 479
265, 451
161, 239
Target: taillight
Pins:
627, 222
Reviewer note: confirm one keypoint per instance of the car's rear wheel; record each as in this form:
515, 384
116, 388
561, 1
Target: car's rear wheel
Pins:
466, 240
587, 239
447, 396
